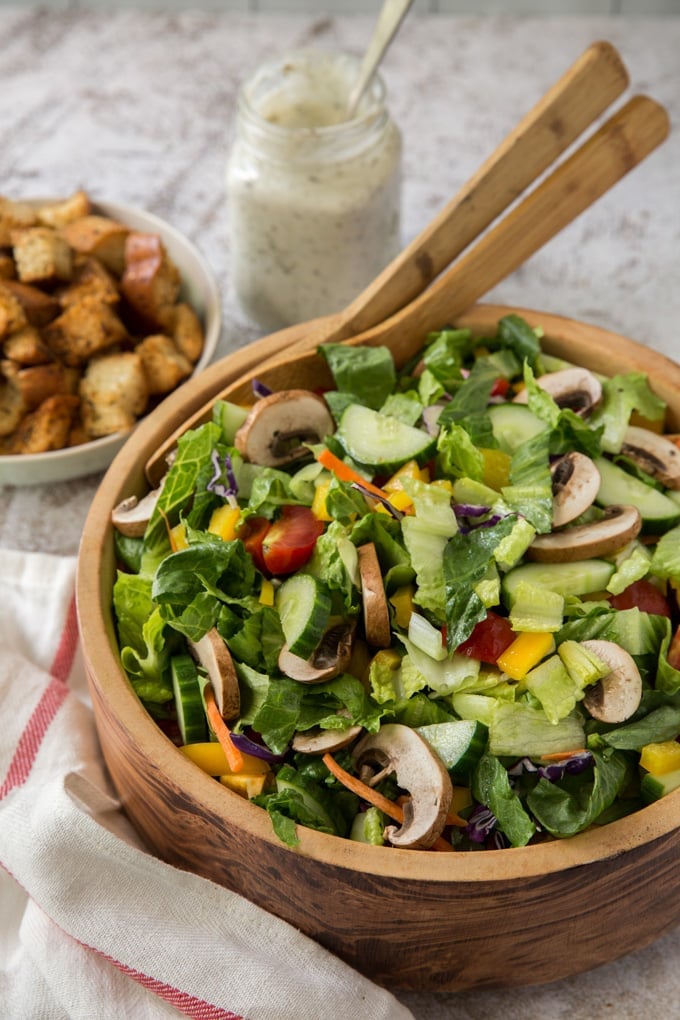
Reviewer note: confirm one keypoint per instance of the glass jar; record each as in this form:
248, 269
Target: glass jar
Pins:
314, 198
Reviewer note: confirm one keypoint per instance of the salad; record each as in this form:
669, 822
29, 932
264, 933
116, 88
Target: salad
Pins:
433, 608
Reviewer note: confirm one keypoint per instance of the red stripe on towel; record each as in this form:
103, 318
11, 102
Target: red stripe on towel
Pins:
182, 1001
47, 707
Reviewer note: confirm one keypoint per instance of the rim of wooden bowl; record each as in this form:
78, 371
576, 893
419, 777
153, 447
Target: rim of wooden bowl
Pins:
564, 337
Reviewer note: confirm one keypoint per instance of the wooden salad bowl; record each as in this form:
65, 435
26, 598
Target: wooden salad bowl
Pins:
408, 919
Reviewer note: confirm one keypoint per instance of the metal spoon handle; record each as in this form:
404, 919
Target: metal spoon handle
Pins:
390, 18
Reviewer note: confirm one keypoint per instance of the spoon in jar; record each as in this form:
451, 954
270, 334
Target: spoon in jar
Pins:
390, 18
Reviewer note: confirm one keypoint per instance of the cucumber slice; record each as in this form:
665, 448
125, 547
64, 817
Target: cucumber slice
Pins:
514, 424
381, 442
188, 699
579, 578
654, 787
304, 606
459, 744
659, 513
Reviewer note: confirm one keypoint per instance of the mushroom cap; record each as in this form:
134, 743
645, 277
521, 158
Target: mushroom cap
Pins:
330, 657
375, 608
618, 526
213, 654
575, 388
617, 695
132, 515
279, 424
575, 484
323, 741
655, 454
400, 750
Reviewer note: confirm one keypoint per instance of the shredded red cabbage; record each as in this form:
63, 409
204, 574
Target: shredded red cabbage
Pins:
481, 824
223, 482
257, 750
568, 767
260, 389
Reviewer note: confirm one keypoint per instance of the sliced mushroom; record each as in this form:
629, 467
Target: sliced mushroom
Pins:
322, 741
615, 697
399, 750
618, 526
575, 484
330, 657
655, 454
375, 608
279, 424
132, 516
212, 653
575, 388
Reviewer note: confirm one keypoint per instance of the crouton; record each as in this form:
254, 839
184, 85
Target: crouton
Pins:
46, 428
37, 382
58, 214
113, 392
39, 307
84, 330
8, 270
12, 408
99, 236
164, 365
12, 315
26, 347
151, 284
12, 216
90, 278
41, 255
187, 332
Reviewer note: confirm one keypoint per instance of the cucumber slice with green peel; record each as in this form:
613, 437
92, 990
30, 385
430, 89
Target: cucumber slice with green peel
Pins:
654, 787
582, 577
658, 511
514, 424
459, 744
188, 699
381, 442
304, 606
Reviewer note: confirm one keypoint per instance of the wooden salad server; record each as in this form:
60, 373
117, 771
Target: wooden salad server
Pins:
576, 100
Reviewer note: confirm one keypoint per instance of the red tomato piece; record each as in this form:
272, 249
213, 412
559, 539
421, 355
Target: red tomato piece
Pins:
252, 535
290, 541
674, 650
500, 387
644, 596
489, 639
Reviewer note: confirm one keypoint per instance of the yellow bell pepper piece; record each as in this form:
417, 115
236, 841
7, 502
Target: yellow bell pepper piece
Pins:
443, 483
399, 500
661, 758
319, 502
653, 424
245, 785
224, 522
210, 757
462, 799
408, 470
496, 468
402, 601
266, 592
525, 652
178, 537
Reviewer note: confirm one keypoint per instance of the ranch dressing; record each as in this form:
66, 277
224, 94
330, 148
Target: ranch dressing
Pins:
313, 197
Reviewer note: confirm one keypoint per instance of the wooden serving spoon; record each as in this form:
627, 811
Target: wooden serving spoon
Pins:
571, 105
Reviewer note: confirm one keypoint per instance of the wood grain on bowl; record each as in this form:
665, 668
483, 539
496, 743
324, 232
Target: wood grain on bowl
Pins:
408, 919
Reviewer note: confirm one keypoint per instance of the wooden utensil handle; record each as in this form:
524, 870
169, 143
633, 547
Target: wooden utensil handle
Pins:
590, 85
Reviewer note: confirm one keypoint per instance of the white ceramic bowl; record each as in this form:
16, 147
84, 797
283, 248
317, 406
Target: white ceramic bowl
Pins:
199, 289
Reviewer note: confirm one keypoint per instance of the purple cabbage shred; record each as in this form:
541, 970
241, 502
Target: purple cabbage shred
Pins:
481, 824
568, 767
223, 482
260, 389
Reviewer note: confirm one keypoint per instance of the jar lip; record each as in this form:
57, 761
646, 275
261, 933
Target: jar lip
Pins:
371, 108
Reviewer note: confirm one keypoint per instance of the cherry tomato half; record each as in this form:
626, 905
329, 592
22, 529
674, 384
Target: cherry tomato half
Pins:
252, 535
644, 596
489, 639
500, 387
290, 541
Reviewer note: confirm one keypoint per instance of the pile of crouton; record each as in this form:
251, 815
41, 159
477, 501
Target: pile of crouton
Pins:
92, 329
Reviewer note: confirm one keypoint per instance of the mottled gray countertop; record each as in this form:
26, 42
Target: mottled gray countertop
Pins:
139, 108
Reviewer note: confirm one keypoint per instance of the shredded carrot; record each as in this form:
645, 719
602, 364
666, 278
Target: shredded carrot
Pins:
344, 472
562, 755
367, 793
232, 753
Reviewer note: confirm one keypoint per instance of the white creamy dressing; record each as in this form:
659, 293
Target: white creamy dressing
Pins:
313, 198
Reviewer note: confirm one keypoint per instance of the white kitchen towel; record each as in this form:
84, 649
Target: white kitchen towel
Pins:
92, 924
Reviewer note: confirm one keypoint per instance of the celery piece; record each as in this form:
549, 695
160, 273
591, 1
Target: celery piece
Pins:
554, 687
583, 667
